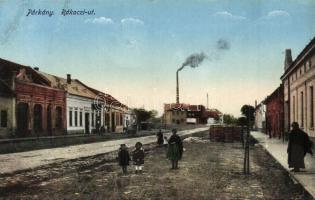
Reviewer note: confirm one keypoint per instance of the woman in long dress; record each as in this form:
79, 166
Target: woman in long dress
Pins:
299, 144
175, 149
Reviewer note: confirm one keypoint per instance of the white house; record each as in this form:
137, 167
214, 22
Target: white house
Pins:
82, 114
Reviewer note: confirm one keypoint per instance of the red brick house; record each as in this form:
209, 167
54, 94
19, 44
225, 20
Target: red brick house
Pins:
40, 109
275, 113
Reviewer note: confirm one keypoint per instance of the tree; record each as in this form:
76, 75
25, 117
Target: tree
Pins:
143, 115
242, 121
229, 119
249, 112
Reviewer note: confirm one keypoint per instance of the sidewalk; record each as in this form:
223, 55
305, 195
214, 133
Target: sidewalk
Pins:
278, 149
10, 163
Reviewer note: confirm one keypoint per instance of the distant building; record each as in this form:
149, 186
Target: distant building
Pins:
299, 82
260, 117
275, 113
188, 114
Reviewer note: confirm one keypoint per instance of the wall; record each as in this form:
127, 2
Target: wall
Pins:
8, 105
84, 105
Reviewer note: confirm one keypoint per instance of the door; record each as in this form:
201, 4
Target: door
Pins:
22, 119
87, 123
113, 122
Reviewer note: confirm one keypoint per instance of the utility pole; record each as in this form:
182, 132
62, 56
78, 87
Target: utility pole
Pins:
246, 152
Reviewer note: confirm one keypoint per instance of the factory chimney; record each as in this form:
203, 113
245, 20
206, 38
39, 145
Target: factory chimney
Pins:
287, 59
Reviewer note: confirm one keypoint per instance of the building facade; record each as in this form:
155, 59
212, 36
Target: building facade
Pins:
260, 117
39, 109
275, 113
299, 82
7, 110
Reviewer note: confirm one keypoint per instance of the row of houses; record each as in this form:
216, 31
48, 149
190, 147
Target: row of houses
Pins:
182, 114
293, 100
35, 103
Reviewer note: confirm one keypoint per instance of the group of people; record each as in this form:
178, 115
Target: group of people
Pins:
174, 152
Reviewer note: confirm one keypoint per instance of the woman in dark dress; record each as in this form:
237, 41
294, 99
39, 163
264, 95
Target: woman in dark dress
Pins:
175, 149
299, 144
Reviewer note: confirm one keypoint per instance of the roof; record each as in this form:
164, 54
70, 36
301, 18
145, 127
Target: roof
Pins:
5, 90
274, 94
7, 67
106, 97
300, 57
74, 88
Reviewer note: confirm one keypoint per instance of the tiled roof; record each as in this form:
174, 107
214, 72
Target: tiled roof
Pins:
8, 66
74, 88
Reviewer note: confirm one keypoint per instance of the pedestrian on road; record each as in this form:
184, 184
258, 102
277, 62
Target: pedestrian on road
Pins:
138, 157
299, 144
175, 149
159, 136
123, 157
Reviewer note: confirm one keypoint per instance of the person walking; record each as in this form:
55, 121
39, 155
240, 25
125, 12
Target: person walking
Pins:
299, 144
138, 157
159, 136
175, 149
123, 157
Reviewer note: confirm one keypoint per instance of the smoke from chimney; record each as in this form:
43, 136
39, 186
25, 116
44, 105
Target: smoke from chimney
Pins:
194, 60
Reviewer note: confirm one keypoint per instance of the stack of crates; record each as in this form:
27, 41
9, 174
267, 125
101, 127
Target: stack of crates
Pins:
229, 134
237, 135
216, 133
219, 133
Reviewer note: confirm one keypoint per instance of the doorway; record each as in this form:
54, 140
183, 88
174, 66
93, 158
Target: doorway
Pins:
49, 118
22, 119
113, 122
37, 118
87, 123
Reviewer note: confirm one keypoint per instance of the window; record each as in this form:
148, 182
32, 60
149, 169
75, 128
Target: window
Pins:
305, 67
4, 118
80, 118
92, 118
70, 118
302, 109
121, 119
76, 118
311, 107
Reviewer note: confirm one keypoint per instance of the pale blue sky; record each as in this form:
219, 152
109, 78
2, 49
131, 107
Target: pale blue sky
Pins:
131, 49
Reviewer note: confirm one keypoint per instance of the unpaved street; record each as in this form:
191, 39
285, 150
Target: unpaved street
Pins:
208, 170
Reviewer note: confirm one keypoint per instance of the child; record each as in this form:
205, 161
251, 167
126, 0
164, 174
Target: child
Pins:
138, 157
123, 157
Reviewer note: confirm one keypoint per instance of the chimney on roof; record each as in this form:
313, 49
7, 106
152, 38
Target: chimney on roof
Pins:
287, 59
69, 78
36, 68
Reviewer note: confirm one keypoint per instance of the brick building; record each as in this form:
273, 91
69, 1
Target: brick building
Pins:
299, 82
187, 114
39, 108
275, 113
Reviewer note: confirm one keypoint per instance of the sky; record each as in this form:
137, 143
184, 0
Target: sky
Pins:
132, 49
